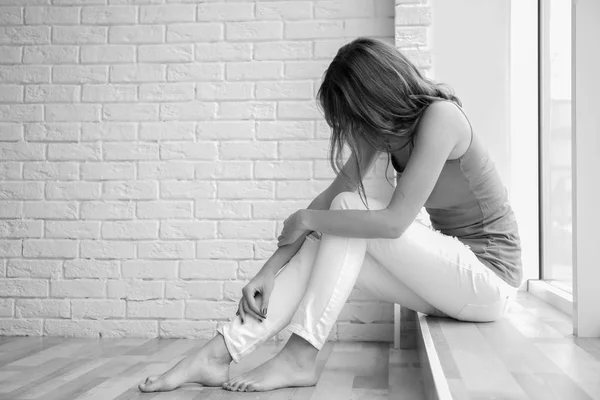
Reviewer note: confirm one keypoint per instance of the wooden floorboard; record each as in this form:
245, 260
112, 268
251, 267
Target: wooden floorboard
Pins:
53, 368
529, 354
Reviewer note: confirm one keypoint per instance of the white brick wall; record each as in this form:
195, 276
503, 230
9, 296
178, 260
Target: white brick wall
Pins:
150, 150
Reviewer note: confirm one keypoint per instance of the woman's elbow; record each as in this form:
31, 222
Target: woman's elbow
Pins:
394, 231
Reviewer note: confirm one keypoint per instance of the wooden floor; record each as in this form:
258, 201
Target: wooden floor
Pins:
52, 368
530, 354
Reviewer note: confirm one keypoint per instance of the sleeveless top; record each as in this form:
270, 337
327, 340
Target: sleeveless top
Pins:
470, 202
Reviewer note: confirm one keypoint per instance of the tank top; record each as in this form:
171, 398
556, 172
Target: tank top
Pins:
470, 202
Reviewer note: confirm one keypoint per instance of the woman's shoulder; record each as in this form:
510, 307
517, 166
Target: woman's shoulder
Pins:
446, 117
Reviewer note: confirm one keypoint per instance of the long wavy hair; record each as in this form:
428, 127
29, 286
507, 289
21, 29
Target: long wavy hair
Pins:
372, 92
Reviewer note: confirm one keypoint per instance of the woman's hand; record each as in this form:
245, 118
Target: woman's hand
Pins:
293, 228
255, 297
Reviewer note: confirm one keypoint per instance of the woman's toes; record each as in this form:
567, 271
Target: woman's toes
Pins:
243, 386
149, 384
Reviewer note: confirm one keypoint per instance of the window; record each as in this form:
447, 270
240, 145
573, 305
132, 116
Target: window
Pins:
555, 142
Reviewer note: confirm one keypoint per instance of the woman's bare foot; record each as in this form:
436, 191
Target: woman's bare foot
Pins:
295, 365
208, 367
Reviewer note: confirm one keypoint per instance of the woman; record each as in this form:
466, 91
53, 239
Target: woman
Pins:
375, 101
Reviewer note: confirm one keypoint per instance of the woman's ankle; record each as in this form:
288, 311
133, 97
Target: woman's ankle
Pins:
217, 351
300, 349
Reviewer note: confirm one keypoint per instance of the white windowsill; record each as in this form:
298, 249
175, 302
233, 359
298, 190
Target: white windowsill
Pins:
552, 295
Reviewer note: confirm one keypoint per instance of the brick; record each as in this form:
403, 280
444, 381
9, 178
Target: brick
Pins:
187, 230
305, 69
110, 54
79, 34
195, 33
72, 112
209, 209
21, 113
10, 171
54, 54
11, 209
322, 170
74, 151
45, 248
6, 307
63, 171
23, 74
281, 130
17, 229
10, 248
421, 58
298, 110
77, 288
130, 190
51, 15
136, 34
300, 189
166, 92
21, 327
72, 190
130, 112
373, 27
166, 170
223, 51
166, 53
130, 230
187, 329
166, 250
11, 16
144, 269
91, 268
34, 268
246, 190
410, 37
196, 72
225, 130
21, 191
50, 210
72, 229
301, 150
168, 130
284, 10
164, 209
208, 269
314, 29
187, 190
224, 90
21, 151
11, 132
223, 249
223, 170
171, 309
167, 14
118, 131
247, 229
52, 132
107, 249
188, 111
107, 171
248, 150
107, 210
253, 31
413, 15
194, 290
25, 34
108, 93
263, 249
203, 310
225, 11
80, 74
232, 290
254, 70
328, 48
108, 15
249, 268
42, 308
188, 151
98, 309
344, 9
134, 289
11, 94
247, 110
138, 73
10, 55
284, 90
282, 169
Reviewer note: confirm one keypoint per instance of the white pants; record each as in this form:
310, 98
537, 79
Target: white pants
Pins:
423, 270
